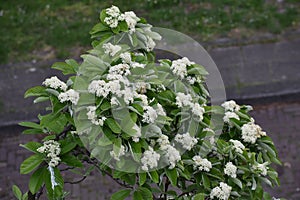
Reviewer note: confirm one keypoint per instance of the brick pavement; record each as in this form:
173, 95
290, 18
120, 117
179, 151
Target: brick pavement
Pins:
280, 120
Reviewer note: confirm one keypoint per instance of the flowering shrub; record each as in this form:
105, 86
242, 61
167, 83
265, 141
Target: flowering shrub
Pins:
147, 125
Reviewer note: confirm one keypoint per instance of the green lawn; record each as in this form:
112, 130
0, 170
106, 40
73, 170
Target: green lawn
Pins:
40, 29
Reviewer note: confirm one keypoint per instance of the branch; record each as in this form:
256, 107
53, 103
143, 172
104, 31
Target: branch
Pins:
75, 182
64, 132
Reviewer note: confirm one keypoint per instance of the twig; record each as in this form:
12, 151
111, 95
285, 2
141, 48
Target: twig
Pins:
75, 182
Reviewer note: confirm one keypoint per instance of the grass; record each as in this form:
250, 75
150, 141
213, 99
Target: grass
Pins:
41, 30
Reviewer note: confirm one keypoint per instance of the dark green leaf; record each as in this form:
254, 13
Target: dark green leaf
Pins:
113, 125
172, 176
35, 91
32, 146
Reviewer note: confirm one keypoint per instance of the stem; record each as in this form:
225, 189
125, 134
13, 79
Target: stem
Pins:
75, 182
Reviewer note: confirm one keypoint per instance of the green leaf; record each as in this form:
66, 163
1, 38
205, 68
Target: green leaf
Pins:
67, 146
206, 181
54, 122
199, 196
35, 91
172, 176
30, 125
137, 195
36, 180
64, 67
237, 182
120, 195
99, 28
71, 160
146, 193
17, 192
113, 125
142, 178
197, 70
154, 176
32, 146
30, 164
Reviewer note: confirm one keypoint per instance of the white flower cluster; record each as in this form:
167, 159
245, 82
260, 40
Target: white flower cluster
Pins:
172, 154
231, 106
92, 116
150, 159
70, 95
230, 115
138, 133
111, 49
221, 192
179, 67
237, 146
186, 100
160, 110
150, 44
202, 164
149, 115
55, 83
251, 131
117, 156
52, 150
261, 168
114, 16
230, 170
186, 140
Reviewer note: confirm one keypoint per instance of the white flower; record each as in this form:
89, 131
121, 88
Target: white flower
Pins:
111, 49
230, 170
230, 106
114, 87
136, 64
70, 95
52, 150
120, 69
55, 83
202, 163
191, 80
163, 141
91, 114
150, 159
114, 101
150, 44
198, 111
186, 141
142, 87
138, 134
179, 67
237, 146
128, 95
99, 88
251, 131
113, 16
126, 57
183, 99
221, 192
143, 97
117, 155
160, 110
261, 168
172, 155
113, 11
230, 115
131, 19
149, 115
